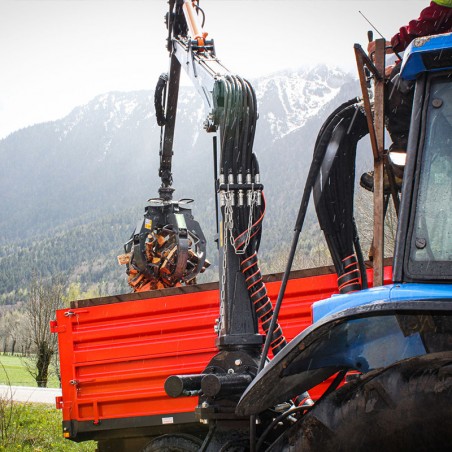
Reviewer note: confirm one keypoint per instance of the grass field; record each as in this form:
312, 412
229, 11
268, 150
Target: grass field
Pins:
14, 372
35, 428
31, 426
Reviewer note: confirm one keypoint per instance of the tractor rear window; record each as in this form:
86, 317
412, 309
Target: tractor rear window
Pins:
431, 244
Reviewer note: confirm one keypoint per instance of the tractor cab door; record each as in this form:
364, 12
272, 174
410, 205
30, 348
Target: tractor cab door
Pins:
424, 252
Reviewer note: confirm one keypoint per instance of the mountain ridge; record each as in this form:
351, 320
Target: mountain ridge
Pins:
97, 166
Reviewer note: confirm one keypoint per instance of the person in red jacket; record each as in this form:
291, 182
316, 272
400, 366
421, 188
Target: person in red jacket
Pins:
434, 19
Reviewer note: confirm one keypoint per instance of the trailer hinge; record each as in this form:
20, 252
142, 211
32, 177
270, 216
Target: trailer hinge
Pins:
55, 328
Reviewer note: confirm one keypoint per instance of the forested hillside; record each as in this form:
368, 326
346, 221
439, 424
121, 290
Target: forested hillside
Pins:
74, 189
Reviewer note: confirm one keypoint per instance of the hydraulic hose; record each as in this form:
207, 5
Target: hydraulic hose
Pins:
314, 170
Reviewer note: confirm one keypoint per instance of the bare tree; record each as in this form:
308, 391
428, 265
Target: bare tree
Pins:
364, 218
12, 330
45, 297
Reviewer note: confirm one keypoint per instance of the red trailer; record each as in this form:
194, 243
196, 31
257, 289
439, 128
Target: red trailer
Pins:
116, 353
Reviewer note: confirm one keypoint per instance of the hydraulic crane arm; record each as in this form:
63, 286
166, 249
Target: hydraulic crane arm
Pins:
231, 107
168, 247
189, 49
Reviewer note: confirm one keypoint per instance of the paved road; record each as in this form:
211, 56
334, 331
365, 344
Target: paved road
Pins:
30, 394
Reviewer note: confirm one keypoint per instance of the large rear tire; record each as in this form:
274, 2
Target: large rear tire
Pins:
174, 443
404, 407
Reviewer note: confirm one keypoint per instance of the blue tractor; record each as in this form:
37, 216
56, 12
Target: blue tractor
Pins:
387, 349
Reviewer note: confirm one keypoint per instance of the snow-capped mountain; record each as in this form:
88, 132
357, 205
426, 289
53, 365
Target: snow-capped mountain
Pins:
105, 155
69, 186
287, 100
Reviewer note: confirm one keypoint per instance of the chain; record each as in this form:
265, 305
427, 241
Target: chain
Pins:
228, 225
229, 220
223, 273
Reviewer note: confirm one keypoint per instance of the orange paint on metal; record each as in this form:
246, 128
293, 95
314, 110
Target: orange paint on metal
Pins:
116, 357
194, 26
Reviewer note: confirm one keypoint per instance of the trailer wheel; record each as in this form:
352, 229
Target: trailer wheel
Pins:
174, 443
403, 407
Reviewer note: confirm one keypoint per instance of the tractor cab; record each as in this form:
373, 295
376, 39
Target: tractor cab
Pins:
424, 240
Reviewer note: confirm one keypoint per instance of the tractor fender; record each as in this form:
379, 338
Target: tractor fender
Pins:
362, 338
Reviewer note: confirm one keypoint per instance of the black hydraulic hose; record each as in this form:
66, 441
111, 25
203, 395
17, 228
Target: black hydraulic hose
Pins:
360, 257
238, 126
230, 120
243, 112
224, 130
310, 181
254, 165
244, 127
237, 133
252, 108
333, 195
252, 105
234, 119
261, 301
225, 157
159, 97
268, 339
198, 8
332, 116
276, 421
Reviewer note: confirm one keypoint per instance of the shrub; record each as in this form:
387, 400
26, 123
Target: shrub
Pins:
35, 427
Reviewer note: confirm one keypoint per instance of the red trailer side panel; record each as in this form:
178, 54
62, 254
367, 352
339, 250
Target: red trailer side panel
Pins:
116, 352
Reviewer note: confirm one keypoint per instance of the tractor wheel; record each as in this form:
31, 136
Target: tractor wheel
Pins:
174, 443
404, 407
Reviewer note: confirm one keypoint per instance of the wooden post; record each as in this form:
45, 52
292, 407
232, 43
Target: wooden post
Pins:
375, 122
378, 237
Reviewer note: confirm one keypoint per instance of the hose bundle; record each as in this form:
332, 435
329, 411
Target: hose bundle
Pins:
241, 195
334, 189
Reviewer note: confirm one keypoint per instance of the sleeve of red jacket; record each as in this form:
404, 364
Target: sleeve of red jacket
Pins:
434, 19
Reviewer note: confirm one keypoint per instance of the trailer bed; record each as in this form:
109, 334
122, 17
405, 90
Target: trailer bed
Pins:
116, 352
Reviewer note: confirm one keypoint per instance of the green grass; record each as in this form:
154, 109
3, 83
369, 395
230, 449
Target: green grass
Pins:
14, 372
34, 427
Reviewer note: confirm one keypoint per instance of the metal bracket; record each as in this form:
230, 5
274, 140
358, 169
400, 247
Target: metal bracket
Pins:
55, 328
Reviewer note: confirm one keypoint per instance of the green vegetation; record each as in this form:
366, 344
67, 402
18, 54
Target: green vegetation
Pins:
30, 426
85, 252
34, 427
13, 371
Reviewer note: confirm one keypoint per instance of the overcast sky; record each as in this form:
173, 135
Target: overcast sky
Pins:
58, 54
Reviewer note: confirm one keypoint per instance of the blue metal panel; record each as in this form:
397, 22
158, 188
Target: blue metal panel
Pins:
362, 338
413, 62
383, 294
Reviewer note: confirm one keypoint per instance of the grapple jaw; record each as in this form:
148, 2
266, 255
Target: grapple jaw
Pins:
167, 248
